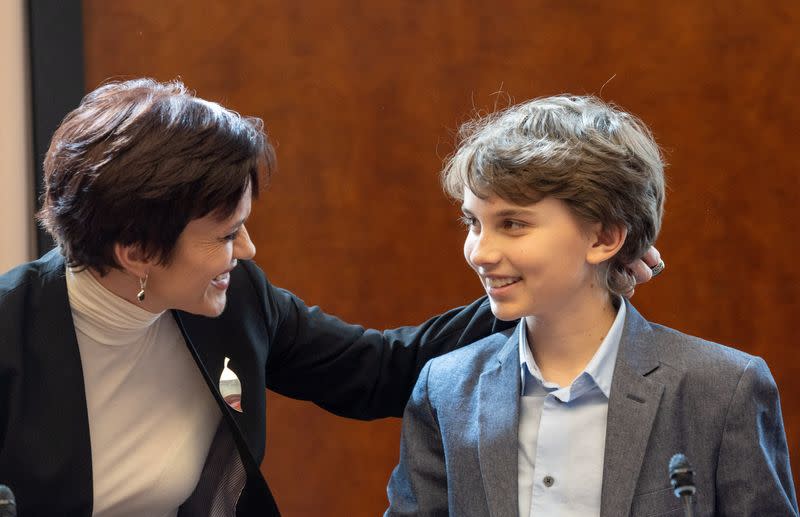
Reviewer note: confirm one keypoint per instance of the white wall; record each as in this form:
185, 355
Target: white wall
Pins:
16, 176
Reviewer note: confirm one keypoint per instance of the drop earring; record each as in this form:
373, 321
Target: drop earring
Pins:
142, 285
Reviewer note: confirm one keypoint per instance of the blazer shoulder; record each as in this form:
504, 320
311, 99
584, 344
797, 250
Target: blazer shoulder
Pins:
467, 364
710, 366
30, 294
253, 271
683, 351
18, 282
16, 279
250, 282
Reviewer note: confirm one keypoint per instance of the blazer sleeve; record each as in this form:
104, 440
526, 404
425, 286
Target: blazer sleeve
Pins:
418, 485
753, 473
352, 371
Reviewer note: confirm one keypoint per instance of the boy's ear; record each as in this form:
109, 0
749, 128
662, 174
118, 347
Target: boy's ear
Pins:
132, 259
607, 242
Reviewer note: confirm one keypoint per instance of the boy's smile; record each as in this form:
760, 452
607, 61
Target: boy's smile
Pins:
499, 286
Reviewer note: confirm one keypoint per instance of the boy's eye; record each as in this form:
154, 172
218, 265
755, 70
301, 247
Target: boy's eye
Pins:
509, 224
468, 221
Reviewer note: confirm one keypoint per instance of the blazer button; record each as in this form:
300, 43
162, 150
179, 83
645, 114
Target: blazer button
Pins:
548, 481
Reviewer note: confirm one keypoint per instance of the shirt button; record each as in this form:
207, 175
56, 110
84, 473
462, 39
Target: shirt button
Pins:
548, 481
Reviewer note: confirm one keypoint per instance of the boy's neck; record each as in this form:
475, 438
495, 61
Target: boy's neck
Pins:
563, 344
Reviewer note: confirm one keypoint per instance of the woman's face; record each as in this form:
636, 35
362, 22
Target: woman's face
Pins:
207, 250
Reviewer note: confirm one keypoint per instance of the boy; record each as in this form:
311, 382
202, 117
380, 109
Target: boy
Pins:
578, 410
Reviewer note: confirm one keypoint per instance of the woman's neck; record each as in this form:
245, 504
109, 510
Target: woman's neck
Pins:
102, 315
563, 343
126, 286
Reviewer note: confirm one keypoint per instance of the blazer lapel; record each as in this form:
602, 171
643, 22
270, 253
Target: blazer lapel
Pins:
632, 408
498, 410
210, 361
209, 350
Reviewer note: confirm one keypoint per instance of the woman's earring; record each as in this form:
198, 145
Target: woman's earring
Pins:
142, 285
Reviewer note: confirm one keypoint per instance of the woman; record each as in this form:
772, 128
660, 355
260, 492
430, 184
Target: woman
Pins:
577, 411
116, 344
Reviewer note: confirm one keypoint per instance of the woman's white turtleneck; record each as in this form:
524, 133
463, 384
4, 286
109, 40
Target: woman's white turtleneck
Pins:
151, 415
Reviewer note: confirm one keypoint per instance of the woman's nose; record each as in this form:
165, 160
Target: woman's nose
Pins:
244, 247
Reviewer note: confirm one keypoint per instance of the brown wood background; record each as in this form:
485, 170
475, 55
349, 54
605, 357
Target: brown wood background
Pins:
361, 99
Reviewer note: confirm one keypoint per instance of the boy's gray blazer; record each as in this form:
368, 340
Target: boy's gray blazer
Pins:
670, 393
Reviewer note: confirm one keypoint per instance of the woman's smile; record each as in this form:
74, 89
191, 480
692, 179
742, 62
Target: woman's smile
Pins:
222, 281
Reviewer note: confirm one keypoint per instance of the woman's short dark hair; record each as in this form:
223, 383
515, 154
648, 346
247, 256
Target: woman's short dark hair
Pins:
137, 160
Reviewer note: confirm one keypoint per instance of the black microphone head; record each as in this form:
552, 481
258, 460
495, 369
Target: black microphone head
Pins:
8, 506
681, 475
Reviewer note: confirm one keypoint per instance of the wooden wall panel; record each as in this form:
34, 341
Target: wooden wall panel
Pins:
362, 98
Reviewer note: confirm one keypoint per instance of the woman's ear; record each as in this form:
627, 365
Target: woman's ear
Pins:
606, 242
132, 259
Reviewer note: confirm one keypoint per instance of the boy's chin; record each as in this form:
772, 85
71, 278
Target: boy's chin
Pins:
504, 315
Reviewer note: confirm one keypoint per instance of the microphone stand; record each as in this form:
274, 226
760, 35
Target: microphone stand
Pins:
687, 505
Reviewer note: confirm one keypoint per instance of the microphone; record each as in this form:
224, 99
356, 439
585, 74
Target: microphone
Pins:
8, 506
681, 475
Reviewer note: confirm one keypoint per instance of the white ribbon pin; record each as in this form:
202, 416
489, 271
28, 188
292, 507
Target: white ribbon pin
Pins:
230, 388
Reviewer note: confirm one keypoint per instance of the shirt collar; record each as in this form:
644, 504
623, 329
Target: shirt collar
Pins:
599, 371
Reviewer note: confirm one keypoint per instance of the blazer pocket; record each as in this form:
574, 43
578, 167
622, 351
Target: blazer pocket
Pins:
658, 503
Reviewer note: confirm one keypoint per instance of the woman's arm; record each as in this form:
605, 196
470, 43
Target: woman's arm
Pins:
353, 371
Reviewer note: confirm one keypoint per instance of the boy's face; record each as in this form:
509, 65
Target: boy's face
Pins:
531, 259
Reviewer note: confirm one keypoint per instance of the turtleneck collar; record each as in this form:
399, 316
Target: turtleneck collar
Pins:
104, 316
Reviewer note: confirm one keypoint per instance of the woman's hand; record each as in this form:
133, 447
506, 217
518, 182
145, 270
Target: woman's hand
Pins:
646, 268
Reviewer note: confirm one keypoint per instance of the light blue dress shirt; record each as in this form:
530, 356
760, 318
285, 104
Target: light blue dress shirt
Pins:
562, 432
